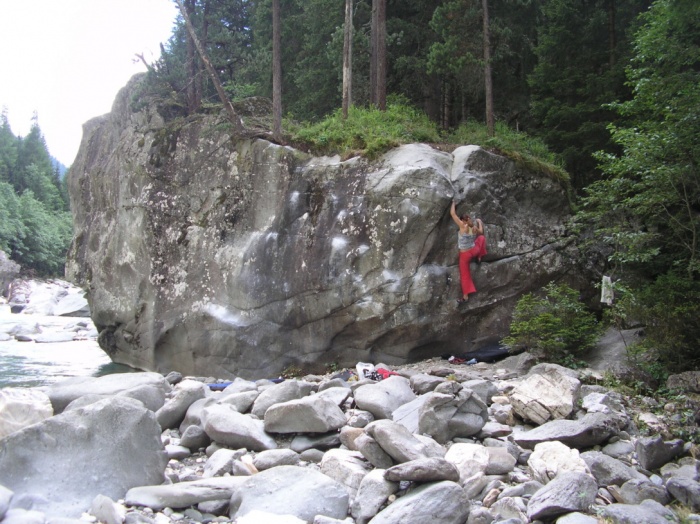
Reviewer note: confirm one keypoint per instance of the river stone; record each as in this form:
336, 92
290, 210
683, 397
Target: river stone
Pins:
423, 470
183, 494
548, 394
399, 443
383, 398
577, 518
683, 382
569, 491
282, 392
275, 457
301, 443
345, 467
193, 417
107, 511
607, 470
230, 428
648, 512
194, 438
22, 407
470, 459
551, 458
241, 401
64, 392
38, 459
589, 431
373, 452
312, 414
500, 461
654, 452
372, 494
239, 385
636, 490
290, 490
423, 383
219, 463
510, 508
435, 503
174, 410
685, 491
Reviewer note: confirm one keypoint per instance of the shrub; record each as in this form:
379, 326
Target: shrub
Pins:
556, 326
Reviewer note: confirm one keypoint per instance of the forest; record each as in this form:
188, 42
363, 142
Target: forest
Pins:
610, 87
36, 226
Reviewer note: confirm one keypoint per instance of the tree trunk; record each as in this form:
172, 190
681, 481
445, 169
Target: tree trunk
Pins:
373, 54
276, 73
488, 75
233, 117
612, 35
381, 56
205, 35
347, 59
191, 90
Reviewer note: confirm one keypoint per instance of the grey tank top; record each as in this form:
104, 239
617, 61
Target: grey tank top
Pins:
465, 241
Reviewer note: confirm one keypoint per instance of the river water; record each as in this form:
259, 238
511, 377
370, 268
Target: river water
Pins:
30, 364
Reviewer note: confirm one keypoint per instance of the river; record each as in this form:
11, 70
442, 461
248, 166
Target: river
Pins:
30, 364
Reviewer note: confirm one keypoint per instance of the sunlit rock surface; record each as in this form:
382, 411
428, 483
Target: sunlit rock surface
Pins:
242, 258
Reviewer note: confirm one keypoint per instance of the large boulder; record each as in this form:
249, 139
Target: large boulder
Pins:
64, 462
221, 257
150, 388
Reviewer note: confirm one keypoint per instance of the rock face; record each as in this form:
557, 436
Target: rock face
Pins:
222, 258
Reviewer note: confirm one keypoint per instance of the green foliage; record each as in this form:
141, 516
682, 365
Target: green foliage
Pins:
580, 67
669, 308
11, 226
645, 212
35, 226
556, 326
33, 235
526, 150
369, 132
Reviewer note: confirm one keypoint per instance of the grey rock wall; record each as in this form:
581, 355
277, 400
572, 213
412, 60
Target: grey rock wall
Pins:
221, 258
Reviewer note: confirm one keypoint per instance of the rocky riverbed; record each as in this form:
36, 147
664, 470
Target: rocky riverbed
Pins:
436, 442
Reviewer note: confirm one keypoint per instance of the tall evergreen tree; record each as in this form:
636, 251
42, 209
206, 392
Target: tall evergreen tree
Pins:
647, 208
580, 68
8, 148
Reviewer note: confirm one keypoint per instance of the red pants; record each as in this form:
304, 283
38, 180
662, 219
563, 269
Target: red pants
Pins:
465, 257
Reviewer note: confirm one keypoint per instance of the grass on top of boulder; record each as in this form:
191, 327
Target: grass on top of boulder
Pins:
367, 131
370, 132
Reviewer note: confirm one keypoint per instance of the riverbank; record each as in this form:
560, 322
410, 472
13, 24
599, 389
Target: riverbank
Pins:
439, 442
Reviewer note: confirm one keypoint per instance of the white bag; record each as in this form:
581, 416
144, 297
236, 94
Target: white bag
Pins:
364, 370
606, 291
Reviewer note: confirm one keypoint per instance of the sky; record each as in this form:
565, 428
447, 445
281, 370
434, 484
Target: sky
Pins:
66, 60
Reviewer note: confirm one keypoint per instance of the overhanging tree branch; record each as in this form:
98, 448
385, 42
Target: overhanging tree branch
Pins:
233, 117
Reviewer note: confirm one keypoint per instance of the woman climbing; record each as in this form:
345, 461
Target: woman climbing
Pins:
471, 243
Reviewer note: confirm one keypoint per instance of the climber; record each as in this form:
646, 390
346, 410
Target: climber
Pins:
471, 243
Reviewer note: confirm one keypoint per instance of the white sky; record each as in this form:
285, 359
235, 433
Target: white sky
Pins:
67, 59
